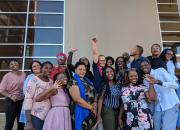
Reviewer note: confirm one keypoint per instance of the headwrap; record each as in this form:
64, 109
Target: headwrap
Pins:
61, 56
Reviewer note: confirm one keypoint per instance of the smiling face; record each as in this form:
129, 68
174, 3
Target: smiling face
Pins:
102, 61
169, 55
133, 77
81, 71
109, 62
120, 63
46, 69
61, 60
155, 50
62, 78
36, 68
109, 74
145, 67
14, 65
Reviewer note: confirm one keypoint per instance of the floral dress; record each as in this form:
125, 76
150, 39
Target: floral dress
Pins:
136, 109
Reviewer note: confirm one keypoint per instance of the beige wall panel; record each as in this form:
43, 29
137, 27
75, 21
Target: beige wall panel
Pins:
118, 25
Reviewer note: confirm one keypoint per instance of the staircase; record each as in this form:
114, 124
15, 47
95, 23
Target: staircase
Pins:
169, 21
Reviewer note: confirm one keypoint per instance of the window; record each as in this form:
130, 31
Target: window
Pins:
30, 29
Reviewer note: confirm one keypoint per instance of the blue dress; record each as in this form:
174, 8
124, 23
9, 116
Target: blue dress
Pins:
22, 117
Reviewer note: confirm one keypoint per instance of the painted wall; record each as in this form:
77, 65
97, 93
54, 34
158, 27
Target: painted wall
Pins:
117, 24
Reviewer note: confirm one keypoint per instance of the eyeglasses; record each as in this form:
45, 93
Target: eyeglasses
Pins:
170, 54
60, 58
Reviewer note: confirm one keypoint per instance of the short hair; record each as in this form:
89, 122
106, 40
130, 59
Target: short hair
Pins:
13, 60
145, 60
101, 56
140, 48
156, 45
78, 64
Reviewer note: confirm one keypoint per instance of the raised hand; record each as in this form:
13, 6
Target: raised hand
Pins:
94, 40
73, 50
57, 84
150, 79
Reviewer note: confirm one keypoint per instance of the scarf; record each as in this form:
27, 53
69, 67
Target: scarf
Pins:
80, 112
99, 69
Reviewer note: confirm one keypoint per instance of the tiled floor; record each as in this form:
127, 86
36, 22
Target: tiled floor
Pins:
2, 122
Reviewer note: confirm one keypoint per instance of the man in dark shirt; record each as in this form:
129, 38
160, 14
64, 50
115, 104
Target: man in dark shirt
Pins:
155, 61
136, 53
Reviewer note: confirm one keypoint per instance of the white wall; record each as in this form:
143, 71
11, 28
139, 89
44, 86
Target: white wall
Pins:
118, 25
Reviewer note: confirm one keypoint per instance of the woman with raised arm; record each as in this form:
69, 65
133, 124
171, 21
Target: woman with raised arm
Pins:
85, 60
99, 63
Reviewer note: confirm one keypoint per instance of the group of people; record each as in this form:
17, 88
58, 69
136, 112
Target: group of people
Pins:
142, 94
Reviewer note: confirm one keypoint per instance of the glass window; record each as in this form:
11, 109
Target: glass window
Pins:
167, 1
13, 5
28, 60
4, 63
167, 8
11, 50
43, 50
169, 17
170, 26
171, 36
45, 35
12, 19
47, 6
46, 20
12, 35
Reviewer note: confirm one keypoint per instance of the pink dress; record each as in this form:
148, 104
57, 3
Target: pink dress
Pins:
58, 118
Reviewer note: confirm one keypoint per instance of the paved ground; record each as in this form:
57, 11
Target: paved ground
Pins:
2, 122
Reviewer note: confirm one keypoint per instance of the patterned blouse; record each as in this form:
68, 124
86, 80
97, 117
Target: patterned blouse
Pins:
136, 109
34, 88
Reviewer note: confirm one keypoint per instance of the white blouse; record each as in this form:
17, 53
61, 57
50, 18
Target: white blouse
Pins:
171, 68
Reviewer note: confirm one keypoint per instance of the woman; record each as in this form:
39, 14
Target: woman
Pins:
85, 60
134, 97
83, 95
37, 111
58, 117
99, 63
12, 88
126, 57
121, 68
169, 57
109, 61
35, 67
109, 101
